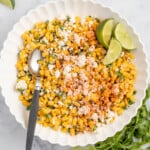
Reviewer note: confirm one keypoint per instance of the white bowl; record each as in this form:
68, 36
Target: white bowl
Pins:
61, 8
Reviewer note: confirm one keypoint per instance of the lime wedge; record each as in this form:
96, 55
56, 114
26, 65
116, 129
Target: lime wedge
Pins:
104, 31
113, 52
123, 37
9, 3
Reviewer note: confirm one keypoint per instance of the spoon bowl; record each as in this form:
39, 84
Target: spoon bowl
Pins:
33, 62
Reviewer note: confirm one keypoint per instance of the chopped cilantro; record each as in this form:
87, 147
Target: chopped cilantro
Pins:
120, 75
20, 90
68, 18
110, 65
43, 42
97, 19
134, 92
47, 21
52, 107
53, 55
47, 115
95, 128
38, 38
54, 33
61, 27
28, 108
30, 31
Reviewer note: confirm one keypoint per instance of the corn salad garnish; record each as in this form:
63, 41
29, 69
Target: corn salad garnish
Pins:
79, 93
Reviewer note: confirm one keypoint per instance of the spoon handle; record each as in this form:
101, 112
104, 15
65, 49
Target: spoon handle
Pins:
32, 117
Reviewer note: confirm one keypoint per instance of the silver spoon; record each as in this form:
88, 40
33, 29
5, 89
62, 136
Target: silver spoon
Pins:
34, 70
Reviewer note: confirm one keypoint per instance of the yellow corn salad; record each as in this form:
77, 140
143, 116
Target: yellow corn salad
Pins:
78, 92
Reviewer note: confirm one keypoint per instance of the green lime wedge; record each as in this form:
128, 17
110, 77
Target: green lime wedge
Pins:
9, 3
104, 31
113, 52
122, 35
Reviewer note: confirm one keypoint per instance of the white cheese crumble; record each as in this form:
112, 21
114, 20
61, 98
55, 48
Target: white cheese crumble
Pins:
26, 68
100, 87
77, 38
83, 76
56, 91
111, 114
60, 103
85, 91
57, 73
50, 67
28, 46
81, 60
22, 85
45, 40
90, 23
41, 92
61, 44
68, 77
70, 93
117, 69
70, 107
94, 64
67, 58
91, 49
115, 89
67, 69
72, 19
94, 116
74, 74
48, 91
83, 110
105, 69
53, 120
65, 34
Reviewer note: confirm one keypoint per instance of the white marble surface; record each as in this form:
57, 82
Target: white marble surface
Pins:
12, 135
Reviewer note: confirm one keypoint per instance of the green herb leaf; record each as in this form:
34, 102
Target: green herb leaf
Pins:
134, 92
47, 115
20, 90
61, 27
120, 75
47, 21
68, 18
8, 3
28, 107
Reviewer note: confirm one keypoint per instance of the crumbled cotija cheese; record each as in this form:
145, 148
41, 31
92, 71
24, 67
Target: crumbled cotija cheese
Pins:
67, 69
22, 85
77, 38
50, 67
61, 44
83, 110
26, 68
91, 49
94, 116
45, 40
81, 60
60, 103
57, 73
